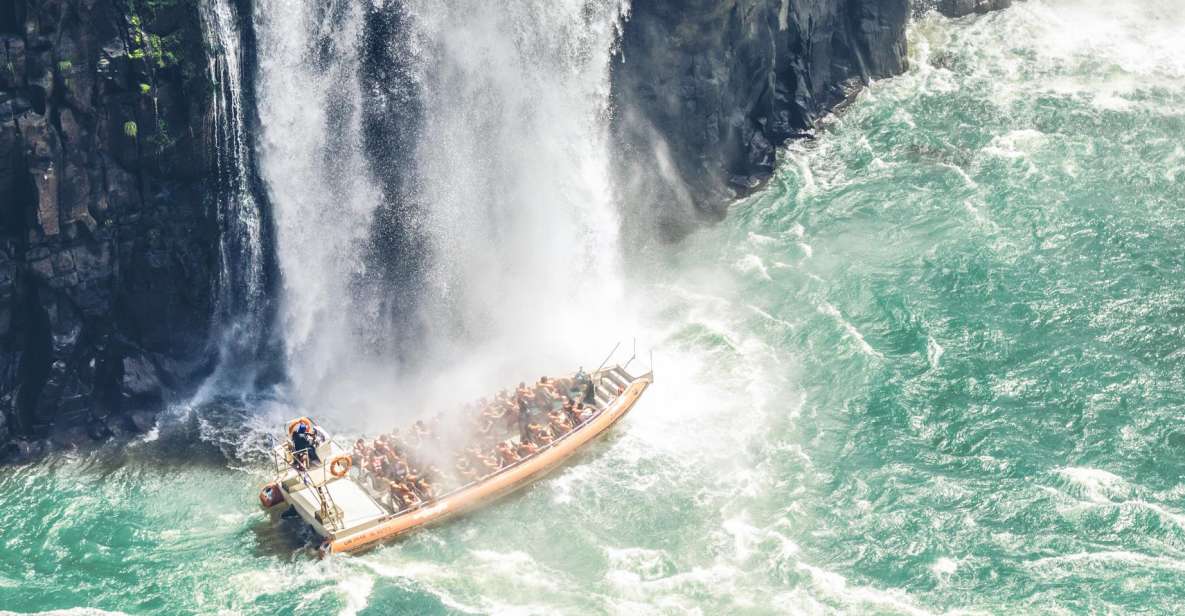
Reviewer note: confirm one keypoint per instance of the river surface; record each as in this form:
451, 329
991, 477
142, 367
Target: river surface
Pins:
934, 367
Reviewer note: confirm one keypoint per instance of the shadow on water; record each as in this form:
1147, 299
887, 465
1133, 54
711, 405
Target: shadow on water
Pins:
281, 535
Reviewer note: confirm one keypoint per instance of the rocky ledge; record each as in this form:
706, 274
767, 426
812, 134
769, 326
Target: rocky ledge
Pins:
706, 91
960, 8
107, 247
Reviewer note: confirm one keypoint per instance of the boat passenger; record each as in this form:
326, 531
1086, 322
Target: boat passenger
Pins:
569, 410
511, 415
551, 393
358, 456
491, 464
526, 394
526, 449
400, 497
464, 470
506, 454
494, 411
540, 434
557, 424
524, 416
376, 470
409, 496
562, 384
426, 490
395, 439
484, 425
398, 470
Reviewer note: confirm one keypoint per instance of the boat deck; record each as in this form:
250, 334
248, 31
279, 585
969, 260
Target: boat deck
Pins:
364, 518
357, 507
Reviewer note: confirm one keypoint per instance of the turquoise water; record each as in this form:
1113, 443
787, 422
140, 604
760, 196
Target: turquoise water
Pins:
932, 368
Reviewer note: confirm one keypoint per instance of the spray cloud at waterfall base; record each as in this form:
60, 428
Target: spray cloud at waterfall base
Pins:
490, 252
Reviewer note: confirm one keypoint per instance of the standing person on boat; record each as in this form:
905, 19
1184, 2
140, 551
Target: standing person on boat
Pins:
590, 393
524, 418
304, 443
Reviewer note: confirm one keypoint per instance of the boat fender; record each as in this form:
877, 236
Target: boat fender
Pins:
270, 496
298, 421
339, 466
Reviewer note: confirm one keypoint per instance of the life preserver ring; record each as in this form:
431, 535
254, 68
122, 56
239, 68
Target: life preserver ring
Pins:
339, 466
296, 422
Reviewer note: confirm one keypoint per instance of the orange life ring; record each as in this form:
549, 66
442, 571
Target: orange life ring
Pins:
296, 422
339, 466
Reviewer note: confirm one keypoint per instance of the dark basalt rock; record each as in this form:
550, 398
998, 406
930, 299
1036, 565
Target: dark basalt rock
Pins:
960, 8
107, 245
706, 90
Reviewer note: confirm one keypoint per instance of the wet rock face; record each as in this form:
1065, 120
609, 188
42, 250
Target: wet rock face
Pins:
106, 244
706, 90
959, 8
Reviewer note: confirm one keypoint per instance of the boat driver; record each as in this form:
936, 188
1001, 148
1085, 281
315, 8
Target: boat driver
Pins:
304, 441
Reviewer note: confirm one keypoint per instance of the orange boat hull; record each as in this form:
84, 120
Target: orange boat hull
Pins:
497, 485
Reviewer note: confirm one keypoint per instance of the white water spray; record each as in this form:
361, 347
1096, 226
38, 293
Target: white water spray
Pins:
509, 186
315, 170
513, 168
240, 298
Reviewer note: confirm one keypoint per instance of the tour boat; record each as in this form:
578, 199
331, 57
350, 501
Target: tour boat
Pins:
342, 509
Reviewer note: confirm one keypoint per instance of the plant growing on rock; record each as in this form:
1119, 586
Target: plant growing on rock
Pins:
162, 139
130, 129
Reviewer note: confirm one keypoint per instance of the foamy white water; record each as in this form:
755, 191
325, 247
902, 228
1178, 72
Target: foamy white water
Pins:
313, 161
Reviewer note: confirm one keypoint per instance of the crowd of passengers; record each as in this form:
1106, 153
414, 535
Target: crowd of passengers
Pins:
507, 429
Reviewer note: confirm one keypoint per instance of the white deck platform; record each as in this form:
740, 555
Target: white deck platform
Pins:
355, 504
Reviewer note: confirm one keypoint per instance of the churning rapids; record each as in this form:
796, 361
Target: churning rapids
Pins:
934, 367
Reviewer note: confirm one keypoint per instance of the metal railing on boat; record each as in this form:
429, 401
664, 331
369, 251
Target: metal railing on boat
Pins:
290, 460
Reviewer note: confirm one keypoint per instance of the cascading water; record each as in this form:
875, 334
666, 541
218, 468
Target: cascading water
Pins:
500, 116
241, 292
314, 164
512, 181
513, 168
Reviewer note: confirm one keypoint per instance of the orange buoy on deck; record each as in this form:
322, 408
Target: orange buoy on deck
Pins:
270, 496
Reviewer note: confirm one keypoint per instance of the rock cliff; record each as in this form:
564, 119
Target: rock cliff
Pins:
107, 245
706, 90
959, 8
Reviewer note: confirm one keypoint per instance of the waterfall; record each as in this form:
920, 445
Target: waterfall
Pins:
241, 293
440, 179
513, 172
314, 166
